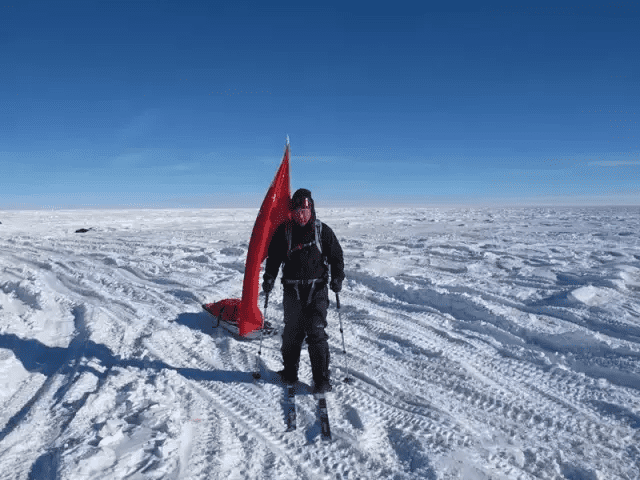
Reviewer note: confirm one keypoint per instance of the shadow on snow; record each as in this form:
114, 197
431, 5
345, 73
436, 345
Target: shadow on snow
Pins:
70, 362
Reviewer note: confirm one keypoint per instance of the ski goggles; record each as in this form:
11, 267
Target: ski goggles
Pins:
301, 203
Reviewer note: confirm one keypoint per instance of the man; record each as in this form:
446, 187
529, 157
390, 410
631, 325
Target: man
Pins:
310, 252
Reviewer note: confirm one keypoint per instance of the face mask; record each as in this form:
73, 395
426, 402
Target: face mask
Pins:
302, 216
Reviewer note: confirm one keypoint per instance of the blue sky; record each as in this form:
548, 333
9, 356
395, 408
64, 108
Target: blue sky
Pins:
143, 103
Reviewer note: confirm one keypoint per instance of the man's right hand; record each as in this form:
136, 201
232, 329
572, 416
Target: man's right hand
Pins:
267, 283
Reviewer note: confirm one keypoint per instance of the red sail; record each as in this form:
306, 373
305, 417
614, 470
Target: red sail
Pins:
273, 212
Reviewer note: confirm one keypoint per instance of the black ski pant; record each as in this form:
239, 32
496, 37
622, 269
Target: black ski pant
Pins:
305, 317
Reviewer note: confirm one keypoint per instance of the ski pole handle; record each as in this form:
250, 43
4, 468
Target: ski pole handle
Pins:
338, 300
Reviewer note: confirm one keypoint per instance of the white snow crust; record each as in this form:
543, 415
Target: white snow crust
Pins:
482, 344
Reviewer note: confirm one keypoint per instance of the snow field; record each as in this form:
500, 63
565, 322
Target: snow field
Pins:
481, 344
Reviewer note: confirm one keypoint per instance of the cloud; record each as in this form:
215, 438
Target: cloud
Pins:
182, 167
614, 163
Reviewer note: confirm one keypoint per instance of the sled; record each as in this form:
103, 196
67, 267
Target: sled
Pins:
225, 313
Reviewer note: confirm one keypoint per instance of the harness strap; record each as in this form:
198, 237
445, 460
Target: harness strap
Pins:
289, 281
296, 285
317, 242
301, 246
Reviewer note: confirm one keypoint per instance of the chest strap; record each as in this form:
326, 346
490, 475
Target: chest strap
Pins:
317, 241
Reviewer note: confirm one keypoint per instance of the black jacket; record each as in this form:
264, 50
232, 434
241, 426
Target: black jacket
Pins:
305, 263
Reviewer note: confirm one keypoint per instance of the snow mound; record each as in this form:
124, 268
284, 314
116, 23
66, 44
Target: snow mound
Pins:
631, 276
591, 296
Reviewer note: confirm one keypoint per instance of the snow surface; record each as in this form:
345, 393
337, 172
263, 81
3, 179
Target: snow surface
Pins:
482, 343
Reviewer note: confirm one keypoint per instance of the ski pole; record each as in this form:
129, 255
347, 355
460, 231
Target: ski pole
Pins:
344, 350
256, 374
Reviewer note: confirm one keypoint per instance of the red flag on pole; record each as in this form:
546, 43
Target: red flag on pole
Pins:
274, 211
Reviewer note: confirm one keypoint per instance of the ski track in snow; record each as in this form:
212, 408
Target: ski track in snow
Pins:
482, 343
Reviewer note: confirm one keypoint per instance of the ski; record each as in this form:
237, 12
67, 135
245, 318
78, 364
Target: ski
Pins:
323, 415
290, 408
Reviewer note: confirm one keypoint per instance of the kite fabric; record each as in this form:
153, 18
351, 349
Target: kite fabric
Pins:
274, 211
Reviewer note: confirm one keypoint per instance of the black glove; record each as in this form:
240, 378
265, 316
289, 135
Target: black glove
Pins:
336, 285
267, 283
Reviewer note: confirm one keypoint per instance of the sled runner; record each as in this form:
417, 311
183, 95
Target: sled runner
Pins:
225, 314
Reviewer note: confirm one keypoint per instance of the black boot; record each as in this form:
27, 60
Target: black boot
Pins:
319, 355
287, 377
323, 386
